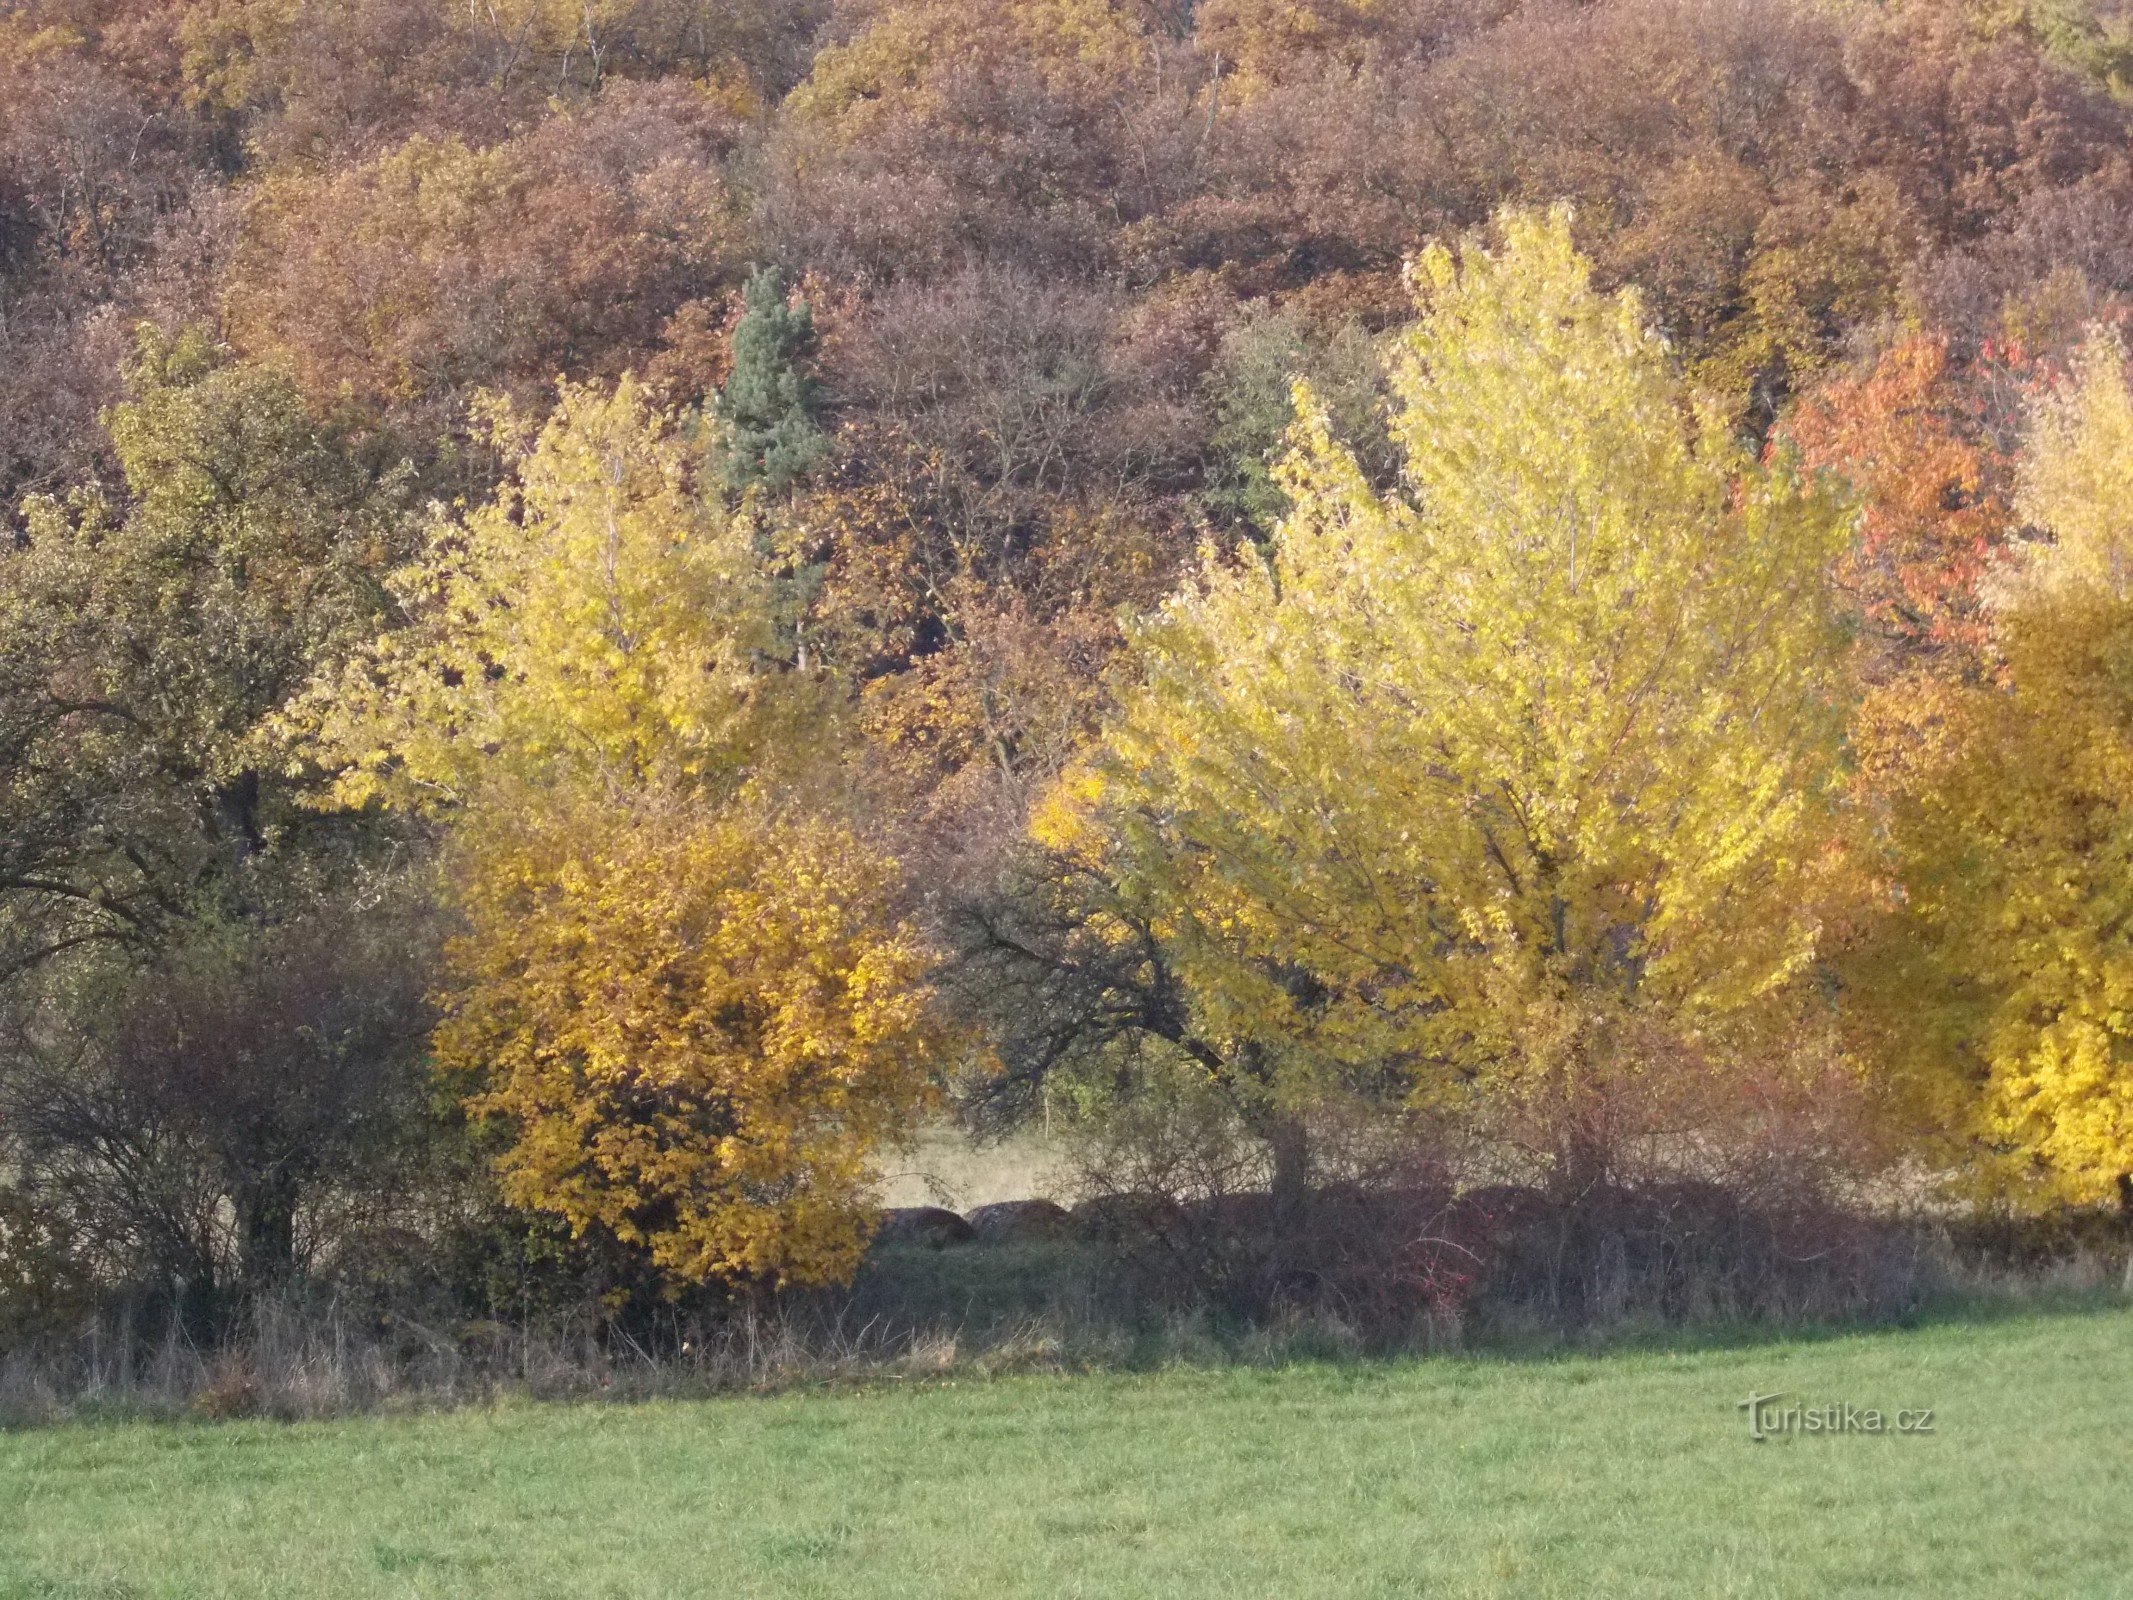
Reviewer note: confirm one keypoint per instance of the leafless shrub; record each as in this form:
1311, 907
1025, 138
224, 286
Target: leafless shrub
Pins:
1178, 1185
1647, 1181
232, 1112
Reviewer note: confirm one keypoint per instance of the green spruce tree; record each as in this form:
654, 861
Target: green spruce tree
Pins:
770, 436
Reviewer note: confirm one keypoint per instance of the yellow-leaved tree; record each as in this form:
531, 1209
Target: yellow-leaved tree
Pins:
1503, 783
681, 986
2004, 992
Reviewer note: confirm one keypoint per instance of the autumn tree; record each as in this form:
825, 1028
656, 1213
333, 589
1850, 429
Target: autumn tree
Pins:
1999, 997
92, 173
1490, 784
1917, 439
1010, 471
181, 1041
928, 136
1917, 443
215, 1115
412, 279
682, 988
150, 643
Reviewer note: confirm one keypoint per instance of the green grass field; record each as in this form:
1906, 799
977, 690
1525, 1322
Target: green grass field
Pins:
1621, 1474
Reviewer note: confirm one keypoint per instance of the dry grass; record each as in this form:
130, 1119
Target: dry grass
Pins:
945, 1167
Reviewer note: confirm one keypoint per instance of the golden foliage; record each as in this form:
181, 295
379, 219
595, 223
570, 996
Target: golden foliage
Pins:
598, 622
1461, 778
699, 1026
682, 991
2003, 992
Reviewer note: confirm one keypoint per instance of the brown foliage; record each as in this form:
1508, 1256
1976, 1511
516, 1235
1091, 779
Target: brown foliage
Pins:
440, 268
91, 172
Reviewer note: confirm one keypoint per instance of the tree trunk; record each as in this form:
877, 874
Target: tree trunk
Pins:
266, 1232
1288, 1144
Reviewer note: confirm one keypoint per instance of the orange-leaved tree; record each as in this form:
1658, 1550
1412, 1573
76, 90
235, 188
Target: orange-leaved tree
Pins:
1915, 438
2004, 994
682, 988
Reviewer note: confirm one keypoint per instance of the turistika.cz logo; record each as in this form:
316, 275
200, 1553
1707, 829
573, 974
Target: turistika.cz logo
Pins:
1770, 1418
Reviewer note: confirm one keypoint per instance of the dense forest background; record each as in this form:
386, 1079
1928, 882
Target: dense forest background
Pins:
905, 351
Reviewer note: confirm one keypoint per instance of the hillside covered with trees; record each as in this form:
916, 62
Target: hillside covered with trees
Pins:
608, 608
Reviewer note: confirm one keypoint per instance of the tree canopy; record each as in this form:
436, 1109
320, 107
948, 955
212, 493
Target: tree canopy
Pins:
1468, 776
749, 567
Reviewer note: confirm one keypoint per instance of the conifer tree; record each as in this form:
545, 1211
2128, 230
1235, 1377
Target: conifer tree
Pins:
768, 403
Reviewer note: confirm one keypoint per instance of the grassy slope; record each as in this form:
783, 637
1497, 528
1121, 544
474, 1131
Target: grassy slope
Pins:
1620, 1475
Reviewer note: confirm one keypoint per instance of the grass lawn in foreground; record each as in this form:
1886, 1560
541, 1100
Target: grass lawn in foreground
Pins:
1616, 1475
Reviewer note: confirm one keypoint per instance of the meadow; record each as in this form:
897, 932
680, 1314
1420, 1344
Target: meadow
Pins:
1630, 1472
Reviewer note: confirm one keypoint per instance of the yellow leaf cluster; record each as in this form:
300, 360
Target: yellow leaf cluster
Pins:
1453, 776
699, 1026
680, 988
2006, 993
600, 622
